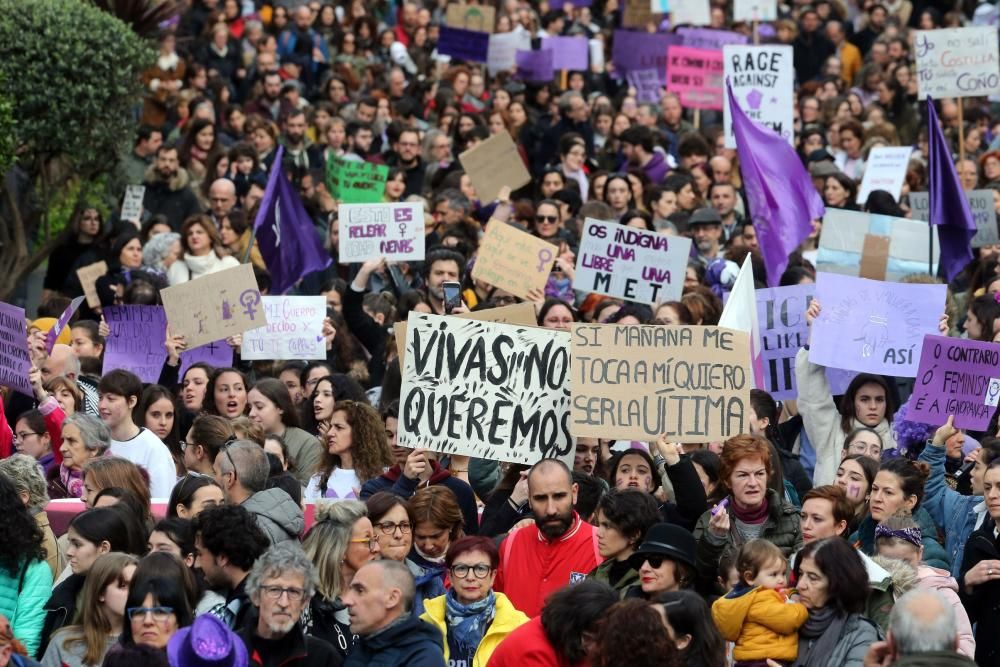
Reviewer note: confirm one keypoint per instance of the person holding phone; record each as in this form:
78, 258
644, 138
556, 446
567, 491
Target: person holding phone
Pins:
443, 266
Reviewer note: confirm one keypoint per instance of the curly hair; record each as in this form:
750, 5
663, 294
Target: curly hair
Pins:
627, 620
22, 536
233, 531
370, 452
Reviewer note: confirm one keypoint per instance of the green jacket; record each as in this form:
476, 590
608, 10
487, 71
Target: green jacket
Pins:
628, 581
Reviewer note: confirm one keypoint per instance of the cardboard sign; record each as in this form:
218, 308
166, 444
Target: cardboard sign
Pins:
215, 306
513, 260
629, 263
503, 47
690, 12
871, 326
957, 62
841, 245
393, 231
468, 45
885, 170
956, 377
522, 314
647, 85
755, 10
695, 75
480, 18
57, 328
983, 212
88, 276
493, 164
638, 382
132, 204
638, 13
136, 341
15, 360
706, 38
641, 51
569, 53
353, 182
535, 66
294, 330
493, 391
874, 257
763, 80
216, 354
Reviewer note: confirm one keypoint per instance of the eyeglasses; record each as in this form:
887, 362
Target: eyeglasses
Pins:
275, 593
160, 614
479, 570
225, 450
388, 528
551, 219
372, 542
655, 561
24, 435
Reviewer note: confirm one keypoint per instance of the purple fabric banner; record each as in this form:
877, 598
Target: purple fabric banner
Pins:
535, 66
15, 361
642, 50
136, 340
53, 334
949, 207
216, 354
468, 45
570, 53
956, 377
706, 38
873, 326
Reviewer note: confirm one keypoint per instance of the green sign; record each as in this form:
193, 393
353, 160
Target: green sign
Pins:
356, 182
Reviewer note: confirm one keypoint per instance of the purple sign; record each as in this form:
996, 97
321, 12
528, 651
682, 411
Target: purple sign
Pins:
781, 314
571, 53
706, 38
15, 361
468, 45
839, 380
136, 341
53, 334
642, 50
873, 326
534, 65
216, 354
956, 377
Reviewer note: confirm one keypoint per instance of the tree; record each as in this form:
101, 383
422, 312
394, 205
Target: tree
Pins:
71, 73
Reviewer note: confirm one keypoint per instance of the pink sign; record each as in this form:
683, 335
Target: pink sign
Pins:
695, 75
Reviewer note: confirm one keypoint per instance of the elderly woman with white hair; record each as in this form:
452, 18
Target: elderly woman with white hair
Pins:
160, 251
84, 438
26, 475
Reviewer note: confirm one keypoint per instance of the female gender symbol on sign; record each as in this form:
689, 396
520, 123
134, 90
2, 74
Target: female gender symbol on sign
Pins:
544, 257
993, 392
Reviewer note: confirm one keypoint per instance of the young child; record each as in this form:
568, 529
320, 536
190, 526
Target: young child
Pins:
756, 614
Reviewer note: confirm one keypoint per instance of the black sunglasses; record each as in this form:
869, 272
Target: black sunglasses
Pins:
655, 561
551, 219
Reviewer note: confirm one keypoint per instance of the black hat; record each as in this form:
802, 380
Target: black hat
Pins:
705, 216
666, 539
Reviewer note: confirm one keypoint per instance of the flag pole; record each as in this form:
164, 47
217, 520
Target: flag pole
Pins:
961, 133
756, 32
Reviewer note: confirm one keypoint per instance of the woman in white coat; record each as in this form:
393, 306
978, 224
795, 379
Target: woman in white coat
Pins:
202, 251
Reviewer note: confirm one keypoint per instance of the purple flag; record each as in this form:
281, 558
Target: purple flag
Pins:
782, 199
288, 241
949, 207
53, 334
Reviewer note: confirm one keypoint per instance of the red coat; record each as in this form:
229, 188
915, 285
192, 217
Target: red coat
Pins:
527, 647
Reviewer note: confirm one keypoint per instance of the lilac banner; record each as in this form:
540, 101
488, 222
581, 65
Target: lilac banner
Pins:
15, 361
534, 66
781, 313
956, 377
53, 335
571, 53
216, 354
706, 38
468, 45
873, 326
136, 340
642, 50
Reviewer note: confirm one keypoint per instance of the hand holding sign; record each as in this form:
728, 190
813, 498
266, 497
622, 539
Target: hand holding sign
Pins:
943, 433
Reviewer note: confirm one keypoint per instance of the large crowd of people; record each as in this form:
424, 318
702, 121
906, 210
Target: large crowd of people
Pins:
265, 512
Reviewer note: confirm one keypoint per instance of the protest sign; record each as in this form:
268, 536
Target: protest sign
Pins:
841, 245
216, 354
957, 62
57, 328
695, 75
762, 80
983, 212
214, 306
659, 6
872, 326
629, 263
393, 231
884, 170
956, 377
755, 10
690, 12
503, 47
518, 313
781, 312
136, 341
468, 45
493, 391
638, 14
132, 204
480, 18
513, 260
639, 382
15, 361
493, 164
706, 38
88, 276
353, 182
570, 53
534, 66
642, 50
294, 330
647, 85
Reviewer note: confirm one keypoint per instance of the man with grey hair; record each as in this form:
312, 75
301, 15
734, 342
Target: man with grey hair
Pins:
241, 469
922, 631
380, 603
26, 475
280, 585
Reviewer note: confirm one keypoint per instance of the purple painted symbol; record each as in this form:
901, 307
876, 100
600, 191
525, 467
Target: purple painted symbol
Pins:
754, 98
402, 215
544, 257
250, 298
227, 310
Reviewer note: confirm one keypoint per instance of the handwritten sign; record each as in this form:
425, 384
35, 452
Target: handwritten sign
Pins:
294, 330
468, 45
53, 335
706, 38
885, 170
956, 377
636, 382
132, 203
755, 10
503, 47
88, 276
480, 18
493, 164
957, 62
630, 263
983, 212
214, 306
15, 361
641, 51
695, 75
136, 340
781, 312
513, 260
519, 313
505, 399
353, 182
841, 246
216, 354
872, 326
535, 66
763, 80
647, 84
690, 12
393, 231
570, 53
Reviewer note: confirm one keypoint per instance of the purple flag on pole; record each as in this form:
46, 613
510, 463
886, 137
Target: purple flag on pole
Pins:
949, 207
288, 241
782, 199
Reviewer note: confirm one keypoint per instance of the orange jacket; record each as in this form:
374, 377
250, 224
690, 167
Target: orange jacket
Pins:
762, 623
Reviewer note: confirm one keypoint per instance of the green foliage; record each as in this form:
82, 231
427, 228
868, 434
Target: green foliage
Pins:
63, 204
7, 128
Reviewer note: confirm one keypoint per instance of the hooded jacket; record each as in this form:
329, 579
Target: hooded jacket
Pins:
407, 642
983, 601
173, 198
277, 515
506, 619
394, 481
762, 623
934, 553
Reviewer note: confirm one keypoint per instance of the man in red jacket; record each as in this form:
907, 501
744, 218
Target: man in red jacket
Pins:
561, 548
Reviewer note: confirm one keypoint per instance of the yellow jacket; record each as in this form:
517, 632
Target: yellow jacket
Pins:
761, 622
506, 620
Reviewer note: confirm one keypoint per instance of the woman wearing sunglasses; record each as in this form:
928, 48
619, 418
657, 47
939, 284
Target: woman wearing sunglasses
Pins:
472, 618
665, 561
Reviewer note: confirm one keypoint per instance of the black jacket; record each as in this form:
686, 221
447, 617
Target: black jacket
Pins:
60, 608
173, 199
983, 603
409, 642
294, 649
